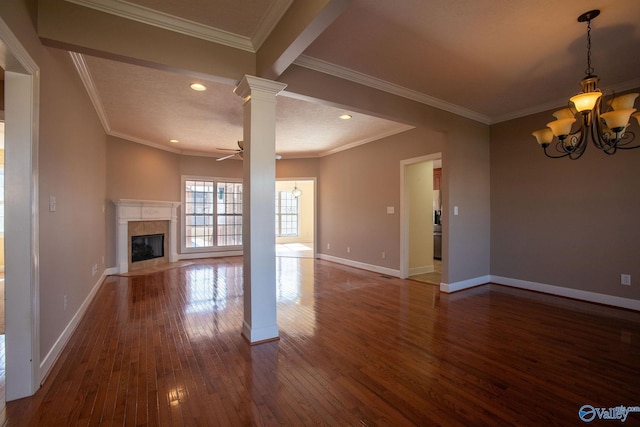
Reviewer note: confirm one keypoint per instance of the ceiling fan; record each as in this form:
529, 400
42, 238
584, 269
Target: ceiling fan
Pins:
238, 152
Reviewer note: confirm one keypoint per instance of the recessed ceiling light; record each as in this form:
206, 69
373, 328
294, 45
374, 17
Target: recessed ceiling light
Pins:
345, 116
174, 141
198, 86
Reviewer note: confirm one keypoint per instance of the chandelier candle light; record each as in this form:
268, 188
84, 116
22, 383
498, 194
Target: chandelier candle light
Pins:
608, 130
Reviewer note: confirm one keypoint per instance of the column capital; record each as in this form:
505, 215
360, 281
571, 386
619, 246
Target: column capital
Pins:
249, 84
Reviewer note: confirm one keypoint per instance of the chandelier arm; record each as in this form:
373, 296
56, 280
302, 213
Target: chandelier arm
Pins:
631, 137
578, 152
578, 140
599, 136
546, 153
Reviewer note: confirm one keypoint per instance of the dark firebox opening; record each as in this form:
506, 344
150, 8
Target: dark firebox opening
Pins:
147, 247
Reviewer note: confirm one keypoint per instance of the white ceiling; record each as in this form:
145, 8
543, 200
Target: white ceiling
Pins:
489, 60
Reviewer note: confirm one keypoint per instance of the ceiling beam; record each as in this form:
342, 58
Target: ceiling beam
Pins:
303, 22
81, 29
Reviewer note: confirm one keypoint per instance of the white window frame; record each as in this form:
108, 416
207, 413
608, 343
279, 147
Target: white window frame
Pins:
183, 215
279, 214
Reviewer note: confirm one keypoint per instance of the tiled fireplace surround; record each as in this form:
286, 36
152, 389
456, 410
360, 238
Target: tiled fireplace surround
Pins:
140, 217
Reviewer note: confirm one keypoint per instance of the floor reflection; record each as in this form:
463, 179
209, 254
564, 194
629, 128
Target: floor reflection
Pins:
295, 250
296, 296
206, 289
213, 290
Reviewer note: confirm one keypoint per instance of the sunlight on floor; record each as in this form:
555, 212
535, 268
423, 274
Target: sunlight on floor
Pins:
296, 250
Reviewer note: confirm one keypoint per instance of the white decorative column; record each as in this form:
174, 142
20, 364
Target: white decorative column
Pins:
143, 210
258, 209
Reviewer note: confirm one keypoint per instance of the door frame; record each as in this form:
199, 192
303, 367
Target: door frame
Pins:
22, 275
404, 210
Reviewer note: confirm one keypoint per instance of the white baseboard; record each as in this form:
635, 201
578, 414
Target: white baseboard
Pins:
212, 254
631, 304
49, 360
414, 271
110, 271
361, 265
464, 284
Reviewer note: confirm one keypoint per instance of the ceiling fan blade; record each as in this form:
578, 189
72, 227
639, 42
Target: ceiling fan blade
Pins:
226, 157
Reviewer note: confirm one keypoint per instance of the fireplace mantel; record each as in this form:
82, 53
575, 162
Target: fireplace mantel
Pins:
143, 210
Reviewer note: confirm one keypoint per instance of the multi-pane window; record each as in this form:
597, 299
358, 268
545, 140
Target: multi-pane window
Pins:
229, 213
286, 214
213, 213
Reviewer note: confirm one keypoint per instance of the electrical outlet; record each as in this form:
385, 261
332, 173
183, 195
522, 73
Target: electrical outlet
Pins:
625, 279
94, 269
348, 249
64, 303
384, 255
328, 245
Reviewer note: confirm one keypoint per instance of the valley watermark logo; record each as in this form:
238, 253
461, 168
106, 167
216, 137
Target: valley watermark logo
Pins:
588, 413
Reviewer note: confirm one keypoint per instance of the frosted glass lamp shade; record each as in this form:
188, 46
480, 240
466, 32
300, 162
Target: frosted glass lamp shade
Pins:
585, 101
561, 128
618, 119
565, 113
543, 136
624, 102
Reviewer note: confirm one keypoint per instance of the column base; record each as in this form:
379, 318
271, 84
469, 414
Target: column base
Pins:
260, 335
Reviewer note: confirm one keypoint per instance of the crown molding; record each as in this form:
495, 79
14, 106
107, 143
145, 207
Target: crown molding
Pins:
276, 11
373, 82
92, 91
168, 22
144, 142
94, 96
399, 129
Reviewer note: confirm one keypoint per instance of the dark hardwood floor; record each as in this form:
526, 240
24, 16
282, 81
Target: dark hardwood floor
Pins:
356, 349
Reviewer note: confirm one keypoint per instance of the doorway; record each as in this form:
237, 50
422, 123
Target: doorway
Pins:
21, 116
296, 218
419, 221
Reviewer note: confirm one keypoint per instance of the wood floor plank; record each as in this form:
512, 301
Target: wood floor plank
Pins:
355, 348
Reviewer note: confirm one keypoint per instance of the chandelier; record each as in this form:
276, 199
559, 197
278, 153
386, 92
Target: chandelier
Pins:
607, 129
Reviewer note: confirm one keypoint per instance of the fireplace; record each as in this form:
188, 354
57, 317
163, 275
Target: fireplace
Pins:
150, 226
149, 246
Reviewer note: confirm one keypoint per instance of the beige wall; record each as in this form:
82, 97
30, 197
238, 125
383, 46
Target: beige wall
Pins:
72, 154
560, 222
355, 188
464, 145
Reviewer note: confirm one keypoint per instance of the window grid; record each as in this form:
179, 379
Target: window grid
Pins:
286, 214
229, 214
213, 213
